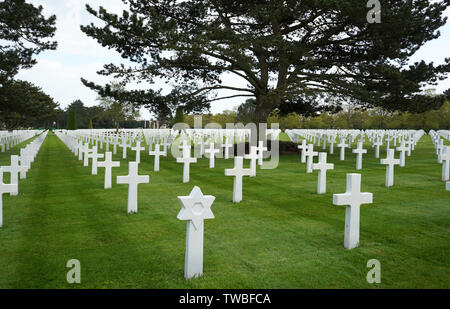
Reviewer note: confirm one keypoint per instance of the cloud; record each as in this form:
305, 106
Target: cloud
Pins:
62, 80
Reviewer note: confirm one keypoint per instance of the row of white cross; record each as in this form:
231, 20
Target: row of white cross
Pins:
404, 148
308, 154
10, 139
19, 166
443, 154
125, 138
85, 153
376, 137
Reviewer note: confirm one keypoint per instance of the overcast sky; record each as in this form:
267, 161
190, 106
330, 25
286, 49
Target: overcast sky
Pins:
58, 72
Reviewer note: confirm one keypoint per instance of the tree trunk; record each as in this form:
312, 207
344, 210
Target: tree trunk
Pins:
265, 104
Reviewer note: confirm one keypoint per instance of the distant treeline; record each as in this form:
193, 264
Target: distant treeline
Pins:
350, 118
96, 117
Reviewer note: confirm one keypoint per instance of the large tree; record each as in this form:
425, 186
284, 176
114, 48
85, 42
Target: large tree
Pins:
23, 104
81, 111
24, 32
292, 54
117, 109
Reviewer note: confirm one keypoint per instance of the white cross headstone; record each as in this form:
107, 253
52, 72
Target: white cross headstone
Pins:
402, 150
201, 148
252, 156
12, 189
157, 153
108, 164
25, 160
377, 145
211, 151
14, 169
138, 149
322, 166
261, 150
445, 158
95, 156
388, 140
409, 144
196, 208
390, 161
352, 199
447, 186
303, 148
124, 147
186, 160
132, 179
86, 152
80, 150
332, 141
227, 145
115, 143
439, 146
310, 154
238, 172
342, 145
359, 152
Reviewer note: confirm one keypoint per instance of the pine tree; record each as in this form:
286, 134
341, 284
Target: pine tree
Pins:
179, 116
294, 55
25, 32
72, 120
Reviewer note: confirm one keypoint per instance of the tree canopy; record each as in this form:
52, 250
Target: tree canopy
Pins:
117, 109
23, 104
24, 32
291, 54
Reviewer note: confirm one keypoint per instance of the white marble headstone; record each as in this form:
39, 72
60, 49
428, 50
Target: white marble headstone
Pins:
132, 179
303, 146
108, 164
322, 166
352, 199
390, 161
359, 152
5, 188
196, 208
310, 154
445, 158
238, 172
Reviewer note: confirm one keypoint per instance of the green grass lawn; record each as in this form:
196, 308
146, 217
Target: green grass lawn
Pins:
282, 235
